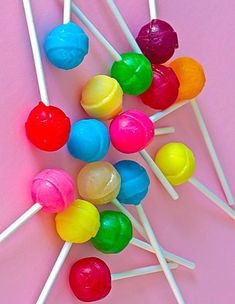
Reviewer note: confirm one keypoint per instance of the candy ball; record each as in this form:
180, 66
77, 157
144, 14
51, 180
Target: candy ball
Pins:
164, 89
78, 223
102, 97
115, 232
54, 189
158, 41
66, 46
98, 182
133, 72
177, 162
131, 131
90, 279
134, 182
89, 140
47, 127
191, 77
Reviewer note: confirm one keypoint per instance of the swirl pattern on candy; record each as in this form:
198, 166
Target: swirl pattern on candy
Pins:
102, 97
157, 40
89, 148
53, 189
134, 182
115, 232
66, 46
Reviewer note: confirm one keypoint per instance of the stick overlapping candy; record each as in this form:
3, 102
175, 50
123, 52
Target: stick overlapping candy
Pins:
164, 88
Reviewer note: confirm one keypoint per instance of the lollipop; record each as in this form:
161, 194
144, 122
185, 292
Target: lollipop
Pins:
67, 44
102, 97
77, 224
157, 39
134, 187
132, 71
177, 162
47, 127
91, 280
52, 191
99, 182
131, 132
88, 148
163, 91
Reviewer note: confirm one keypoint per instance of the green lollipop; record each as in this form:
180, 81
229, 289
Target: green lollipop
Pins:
115, 232
133, 72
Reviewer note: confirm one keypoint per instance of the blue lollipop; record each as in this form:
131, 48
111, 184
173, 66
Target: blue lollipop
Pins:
89, 140
66, 46
134, 182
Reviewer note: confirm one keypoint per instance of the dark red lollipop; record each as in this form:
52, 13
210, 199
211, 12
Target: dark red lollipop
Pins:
47, 127
157, 40
90, 279
164, 89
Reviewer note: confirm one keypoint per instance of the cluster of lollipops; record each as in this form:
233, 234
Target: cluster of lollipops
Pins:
164, 88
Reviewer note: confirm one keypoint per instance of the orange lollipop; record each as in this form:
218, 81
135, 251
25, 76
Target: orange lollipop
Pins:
190, 75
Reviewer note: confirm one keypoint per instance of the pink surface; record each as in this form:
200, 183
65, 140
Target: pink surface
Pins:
192, 227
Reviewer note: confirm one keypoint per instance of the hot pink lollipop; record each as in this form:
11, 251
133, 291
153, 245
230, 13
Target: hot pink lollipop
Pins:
52, 191
164, 89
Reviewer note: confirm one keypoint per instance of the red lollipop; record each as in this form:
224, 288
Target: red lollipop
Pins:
90, 279
47, 127
163, 91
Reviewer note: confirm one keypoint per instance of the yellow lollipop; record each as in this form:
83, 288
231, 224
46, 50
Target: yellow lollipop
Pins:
78, 223
99, 182
102, 97
177, 162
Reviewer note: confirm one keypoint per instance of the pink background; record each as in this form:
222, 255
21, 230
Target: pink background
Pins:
192, 227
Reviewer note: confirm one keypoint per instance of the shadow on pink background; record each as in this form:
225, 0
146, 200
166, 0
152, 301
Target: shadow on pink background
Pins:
192, 227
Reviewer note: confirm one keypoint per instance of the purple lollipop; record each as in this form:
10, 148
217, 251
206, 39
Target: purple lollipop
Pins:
158, 41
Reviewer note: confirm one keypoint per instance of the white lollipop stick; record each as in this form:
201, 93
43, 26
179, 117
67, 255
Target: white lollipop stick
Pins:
152, 9
155, 117
158, 173
212, 152
214, 198
160, 255
168, 255
140, 271
95, 32
54, 273
164, 131
20, 221
36, 52
146, 246
124, 26
67, 11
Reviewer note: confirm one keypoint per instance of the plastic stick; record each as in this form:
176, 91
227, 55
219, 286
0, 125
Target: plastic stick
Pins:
36, 52
152, 9
67, 11
54, 273
20, 221
164, 131
91, 27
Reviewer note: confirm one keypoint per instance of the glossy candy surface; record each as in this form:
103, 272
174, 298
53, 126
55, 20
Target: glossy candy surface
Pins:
90, 279
177, 162
158, 41
164, 89
98, 182
89, 140
131, 131
102, 97
47, 127
133, 72
115, 232
54, 189
191, 77
134, 182
78, 223
66, 46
